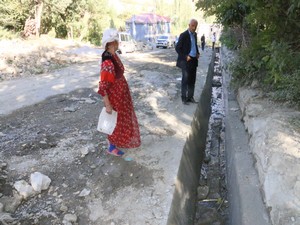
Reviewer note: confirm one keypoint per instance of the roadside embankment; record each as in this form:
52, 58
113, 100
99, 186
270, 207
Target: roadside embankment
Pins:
267, 161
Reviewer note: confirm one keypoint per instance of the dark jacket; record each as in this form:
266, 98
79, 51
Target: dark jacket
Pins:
183, 48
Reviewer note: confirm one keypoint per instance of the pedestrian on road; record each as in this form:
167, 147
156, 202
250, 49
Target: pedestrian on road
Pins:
213, 40
114, 89
202, 42
188, 54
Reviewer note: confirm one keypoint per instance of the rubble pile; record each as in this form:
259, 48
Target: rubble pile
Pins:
23, 58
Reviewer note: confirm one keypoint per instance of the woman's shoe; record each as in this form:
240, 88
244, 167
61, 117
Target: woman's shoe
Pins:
115, 152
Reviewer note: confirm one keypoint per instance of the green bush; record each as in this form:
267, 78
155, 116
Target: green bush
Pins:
274, 65
230, 39
266, 36
289, 89
5, 34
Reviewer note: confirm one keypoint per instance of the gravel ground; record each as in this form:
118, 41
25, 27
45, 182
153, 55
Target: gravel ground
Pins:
57, 137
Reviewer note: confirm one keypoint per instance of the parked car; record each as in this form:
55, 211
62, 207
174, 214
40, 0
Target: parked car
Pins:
126, 43
165, 41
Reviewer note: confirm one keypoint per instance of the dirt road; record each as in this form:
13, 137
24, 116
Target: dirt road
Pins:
48, 124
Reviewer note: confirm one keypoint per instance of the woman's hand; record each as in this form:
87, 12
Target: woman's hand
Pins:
109, 109
107, 104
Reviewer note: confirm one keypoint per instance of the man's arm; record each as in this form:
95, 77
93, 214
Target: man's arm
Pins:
180, 46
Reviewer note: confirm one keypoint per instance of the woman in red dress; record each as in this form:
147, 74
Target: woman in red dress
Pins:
115, 91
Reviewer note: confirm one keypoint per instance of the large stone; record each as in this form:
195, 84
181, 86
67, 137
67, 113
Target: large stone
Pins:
202, 192
39, 181
11, 203
24, 189
70, 217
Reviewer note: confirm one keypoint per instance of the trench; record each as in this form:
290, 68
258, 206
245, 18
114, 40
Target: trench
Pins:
200, 196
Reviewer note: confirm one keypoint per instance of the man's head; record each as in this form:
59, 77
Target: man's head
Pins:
193, 25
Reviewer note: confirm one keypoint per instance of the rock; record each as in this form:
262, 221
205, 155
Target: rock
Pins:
39, 181
88, 100
24, 189
70, 109
216, 83
70, 218
75, 99
93, 166
255, 84
3, 165
63, 208
11, 203
43, 60
202, 192
5, 218
84, 192
84, 151
66, 222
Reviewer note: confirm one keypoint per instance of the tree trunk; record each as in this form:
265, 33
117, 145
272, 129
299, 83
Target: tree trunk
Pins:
38, 16
70, 32
85, 21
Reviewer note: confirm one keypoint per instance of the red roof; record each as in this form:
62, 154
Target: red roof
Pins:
148, 18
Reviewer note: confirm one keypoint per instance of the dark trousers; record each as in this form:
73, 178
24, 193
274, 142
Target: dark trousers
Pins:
188, 79
202, 45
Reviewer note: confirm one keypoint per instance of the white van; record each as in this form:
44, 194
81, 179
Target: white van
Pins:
165, 41
126, 43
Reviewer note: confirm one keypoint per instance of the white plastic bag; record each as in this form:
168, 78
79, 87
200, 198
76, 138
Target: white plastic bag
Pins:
107, 122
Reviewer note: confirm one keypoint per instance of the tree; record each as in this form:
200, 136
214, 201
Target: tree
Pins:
269, 48
14, 14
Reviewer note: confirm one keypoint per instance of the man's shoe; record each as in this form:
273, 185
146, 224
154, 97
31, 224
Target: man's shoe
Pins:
192, 100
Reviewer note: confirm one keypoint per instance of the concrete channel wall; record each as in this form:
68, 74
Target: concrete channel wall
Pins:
183, 206
244, 194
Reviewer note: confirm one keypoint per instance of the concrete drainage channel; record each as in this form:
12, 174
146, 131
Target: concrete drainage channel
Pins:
200, 189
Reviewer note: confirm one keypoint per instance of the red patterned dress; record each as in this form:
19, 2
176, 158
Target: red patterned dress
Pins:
113, 83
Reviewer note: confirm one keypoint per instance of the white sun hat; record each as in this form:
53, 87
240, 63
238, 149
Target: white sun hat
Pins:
109, 35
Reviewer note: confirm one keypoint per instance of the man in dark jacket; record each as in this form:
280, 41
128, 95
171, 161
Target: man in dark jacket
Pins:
188, 54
